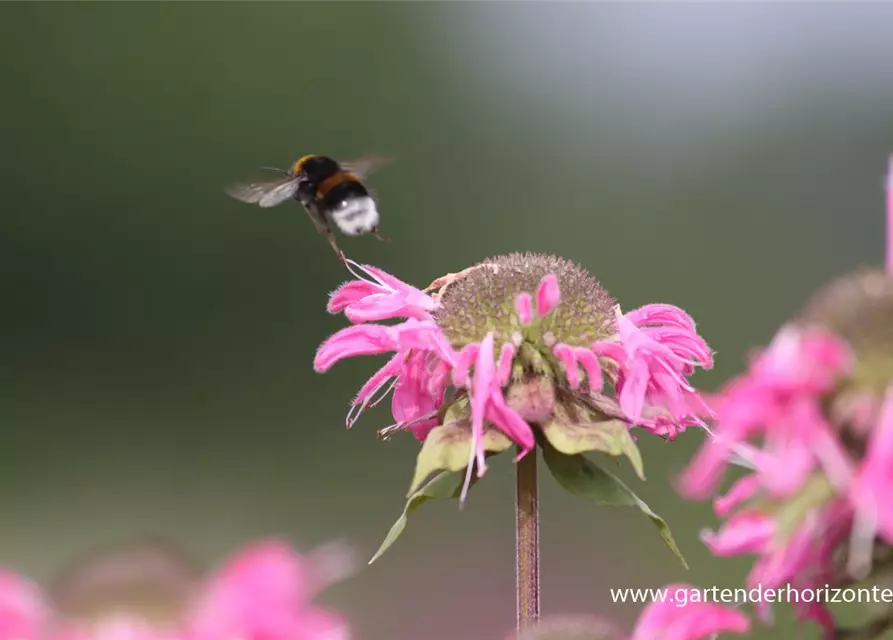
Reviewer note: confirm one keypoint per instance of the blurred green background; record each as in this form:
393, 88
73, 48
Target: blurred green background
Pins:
158, 336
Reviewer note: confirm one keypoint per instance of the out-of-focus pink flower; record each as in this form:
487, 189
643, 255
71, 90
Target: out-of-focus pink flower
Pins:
670, 620
778, 399
23, 614
264, 593
511, 315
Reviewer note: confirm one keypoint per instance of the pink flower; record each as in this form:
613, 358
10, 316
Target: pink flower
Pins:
779, 398
670, 620
23, 614
264, 593
507, 318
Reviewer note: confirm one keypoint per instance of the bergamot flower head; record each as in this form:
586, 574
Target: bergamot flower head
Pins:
812, 419
150, 591
513, 348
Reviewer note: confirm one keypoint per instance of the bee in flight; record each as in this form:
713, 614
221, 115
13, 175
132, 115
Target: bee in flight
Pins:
327, 189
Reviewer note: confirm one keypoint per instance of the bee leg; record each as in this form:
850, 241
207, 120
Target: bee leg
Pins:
322, 226
378, 235
338, 252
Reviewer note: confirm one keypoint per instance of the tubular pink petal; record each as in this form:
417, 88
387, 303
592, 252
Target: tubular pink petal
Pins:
464, 360
706, 470
23, 612
548, 295
510, 422
348, 294
871, 491
661, 314
355, 341
697, 620
743, 533
504, 368
743, 490
632, 395
565, 355
524, 308
591, 366
382, 307
481, 387
378, 380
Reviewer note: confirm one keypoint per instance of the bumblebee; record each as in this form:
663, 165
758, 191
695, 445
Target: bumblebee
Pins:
328, 191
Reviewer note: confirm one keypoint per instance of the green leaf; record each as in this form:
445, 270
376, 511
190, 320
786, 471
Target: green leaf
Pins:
448, 447
443, 486
582, 477
612, 437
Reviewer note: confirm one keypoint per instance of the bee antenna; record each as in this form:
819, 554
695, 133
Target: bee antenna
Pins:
274, 169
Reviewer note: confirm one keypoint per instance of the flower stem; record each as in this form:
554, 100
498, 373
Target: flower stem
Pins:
527, 541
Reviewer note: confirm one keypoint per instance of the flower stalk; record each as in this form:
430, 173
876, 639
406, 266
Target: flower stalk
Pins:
527, 542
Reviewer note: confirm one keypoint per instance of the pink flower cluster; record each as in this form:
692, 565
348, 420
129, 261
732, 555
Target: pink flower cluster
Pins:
263, 593
694, 621
653, 351
778, 402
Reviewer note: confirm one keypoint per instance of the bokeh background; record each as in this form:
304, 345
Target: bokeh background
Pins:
157, 336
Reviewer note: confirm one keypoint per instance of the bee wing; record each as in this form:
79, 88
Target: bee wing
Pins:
362, 167
265, 194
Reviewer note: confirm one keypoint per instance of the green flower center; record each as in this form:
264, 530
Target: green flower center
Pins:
859, 309
483, 300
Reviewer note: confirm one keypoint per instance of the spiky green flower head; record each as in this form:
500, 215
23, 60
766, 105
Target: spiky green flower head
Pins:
859, 309
519, 349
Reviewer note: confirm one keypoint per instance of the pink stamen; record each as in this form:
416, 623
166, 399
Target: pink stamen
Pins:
548, 295
524, 308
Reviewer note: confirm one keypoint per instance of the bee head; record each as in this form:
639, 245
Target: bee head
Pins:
315, 168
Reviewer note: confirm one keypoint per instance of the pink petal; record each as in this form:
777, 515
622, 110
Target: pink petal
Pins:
670, 620
481, 387
565, 355
661, 314
504, 368
23, 613
464, 360
321, 624
588, 360
873, 487
358, 340
263, 594
743, 490
378, 380
524, 308
350, 293
548, 295
746, 532
510, 423
412, 398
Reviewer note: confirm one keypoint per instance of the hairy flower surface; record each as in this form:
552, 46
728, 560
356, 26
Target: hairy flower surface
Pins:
812, 419
264, 593
516, 342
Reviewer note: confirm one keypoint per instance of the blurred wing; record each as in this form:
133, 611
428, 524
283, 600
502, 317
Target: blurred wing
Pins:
362, 167
265, 194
